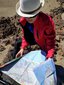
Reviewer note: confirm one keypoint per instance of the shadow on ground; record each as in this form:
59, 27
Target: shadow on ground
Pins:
60, 74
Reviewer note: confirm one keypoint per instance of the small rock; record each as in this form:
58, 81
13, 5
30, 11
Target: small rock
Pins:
7, 42
2, 48
57, 37
62, 16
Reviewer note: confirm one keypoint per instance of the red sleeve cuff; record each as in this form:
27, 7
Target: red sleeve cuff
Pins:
24, 45
50, 53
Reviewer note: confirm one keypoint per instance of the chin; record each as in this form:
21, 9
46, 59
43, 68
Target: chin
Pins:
30, 21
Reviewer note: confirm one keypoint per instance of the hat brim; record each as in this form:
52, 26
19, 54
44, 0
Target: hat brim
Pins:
28, 15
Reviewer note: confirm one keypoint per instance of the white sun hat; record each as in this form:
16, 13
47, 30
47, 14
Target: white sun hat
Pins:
29, 8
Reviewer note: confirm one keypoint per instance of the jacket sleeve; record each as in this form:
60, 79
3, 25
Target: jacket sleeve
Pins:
50, 38
24, 42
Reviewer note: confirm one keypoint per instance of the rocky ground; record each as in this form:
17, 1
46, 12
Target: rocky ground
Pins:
10, 30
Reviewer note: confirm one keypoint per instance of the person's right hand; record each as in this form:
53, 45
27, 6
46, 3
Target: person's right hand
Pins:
20, 53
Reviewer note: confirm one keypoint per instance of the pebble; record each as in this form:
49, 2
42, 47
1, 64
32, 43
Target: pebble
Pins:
62, 16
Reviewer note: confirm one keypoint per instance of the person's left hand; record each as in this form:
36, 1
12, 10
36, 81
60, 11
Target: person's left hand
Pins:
20, 53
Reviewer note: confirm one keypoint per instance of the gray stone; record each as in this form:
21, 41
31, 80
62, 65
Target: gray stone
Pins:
62, 16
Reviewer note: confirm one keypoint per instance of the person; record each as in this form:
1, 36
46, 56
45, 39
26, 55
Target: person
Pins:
37, 27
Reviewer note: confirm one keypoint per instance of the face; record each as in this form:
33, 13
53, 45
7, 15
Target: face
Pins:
31, 19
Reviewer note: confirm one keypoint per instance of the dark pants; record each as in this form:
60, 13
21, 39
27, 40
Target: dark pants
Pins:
16, 47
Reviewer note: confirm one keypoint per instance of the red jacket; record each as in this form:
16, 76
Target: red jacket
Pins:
44, 25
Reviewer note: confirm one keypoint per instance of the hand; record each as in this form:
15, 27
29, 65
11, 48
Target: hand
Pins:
20, 53
48, 58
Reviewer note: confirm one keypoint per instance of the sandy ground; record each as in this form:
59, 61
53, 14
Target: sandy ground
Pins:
7, 7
